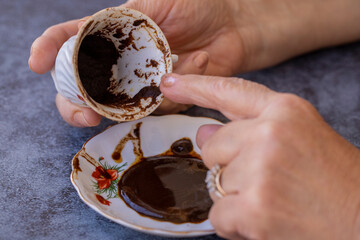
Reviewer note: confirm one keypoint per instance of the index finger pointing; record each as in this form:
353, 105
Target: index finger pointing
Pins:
236, 98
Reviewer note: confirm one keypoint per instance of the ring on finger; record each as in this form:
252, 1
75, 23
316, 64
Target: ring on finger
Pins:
213, 181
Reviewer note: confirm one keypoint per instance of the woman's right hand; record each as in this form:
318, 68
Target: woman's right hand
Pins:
286, 173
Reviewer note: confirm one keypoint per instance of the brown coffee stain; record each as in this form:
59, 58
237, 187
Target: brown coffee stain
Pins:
158, 42
114, 84
139, 73
166, 187
126, 42
119, 33
152, 63
134, 137
86, 28
138, 22
161, 46
96, 72
76, 163
127, 14
88, 158
96, 57
124, 101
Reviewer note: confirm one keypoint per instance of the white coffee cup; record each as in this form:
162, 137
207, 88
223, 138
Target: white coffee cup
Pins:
132, 89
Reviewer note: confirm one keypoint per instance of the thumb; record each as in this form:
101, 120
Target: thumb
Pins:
234, 97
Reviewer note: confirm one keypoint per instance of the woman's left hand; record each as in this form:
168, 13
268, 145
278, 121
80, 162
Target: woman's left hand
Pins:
287, 174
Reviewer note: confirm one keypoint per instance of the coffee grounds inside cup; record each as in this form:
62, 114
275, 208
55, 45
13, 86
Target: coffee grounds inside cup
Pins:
97, 55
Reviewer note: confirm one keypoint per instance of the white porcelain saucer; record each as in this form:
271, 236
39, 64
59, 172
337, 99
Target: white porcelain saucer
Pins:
156, 136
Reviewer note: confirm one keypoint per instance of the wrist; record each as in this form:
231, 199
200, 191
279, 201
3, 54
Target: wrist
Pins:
249, 35
275, 30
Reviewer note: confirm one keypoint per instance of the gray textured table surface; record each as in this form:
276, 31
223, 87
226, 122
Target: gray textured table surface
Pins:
37, 200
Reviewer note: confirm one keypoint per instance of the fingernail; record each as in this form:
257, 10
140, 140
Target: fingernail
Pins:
201, 60
80, 119
169, 80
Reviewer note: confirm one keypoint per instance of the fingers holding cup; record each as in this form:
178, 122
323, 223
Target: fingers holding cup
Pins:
114, 64
45, 48
193, 63
76, 115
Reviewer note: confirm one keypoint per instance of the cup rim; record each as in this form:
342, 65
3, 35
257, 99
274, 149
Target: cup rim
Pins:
79, 38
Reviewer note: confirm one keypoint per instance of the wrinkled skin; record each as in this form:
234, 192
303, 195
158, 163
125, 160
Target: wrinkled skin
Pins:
287, 174
219, 37
200, 36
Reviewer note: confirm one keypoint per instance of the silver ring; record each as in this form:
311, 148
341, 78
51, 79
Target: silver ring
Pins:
213, 181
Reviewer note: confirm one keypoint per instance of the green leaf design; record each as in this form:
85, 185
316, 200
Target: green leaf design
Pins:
110, 192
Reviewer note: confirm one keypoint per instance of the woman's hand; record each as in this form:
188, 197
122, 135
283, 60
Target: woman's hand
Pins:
287, 174
42, 58
194, 30
216, 37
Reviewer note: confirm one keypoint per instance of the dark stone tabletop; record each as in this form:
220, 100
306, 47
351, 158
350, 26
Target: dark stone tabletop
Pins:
37, 199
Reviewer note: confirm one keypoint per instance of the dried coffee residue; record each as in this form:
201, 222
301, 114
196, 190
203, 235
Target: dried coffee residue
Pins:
138, 22
159, 43
97, 55
139, 73
152, 63
126, 102
134, 137
127, 42
119, 33
161, 46
166, 187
